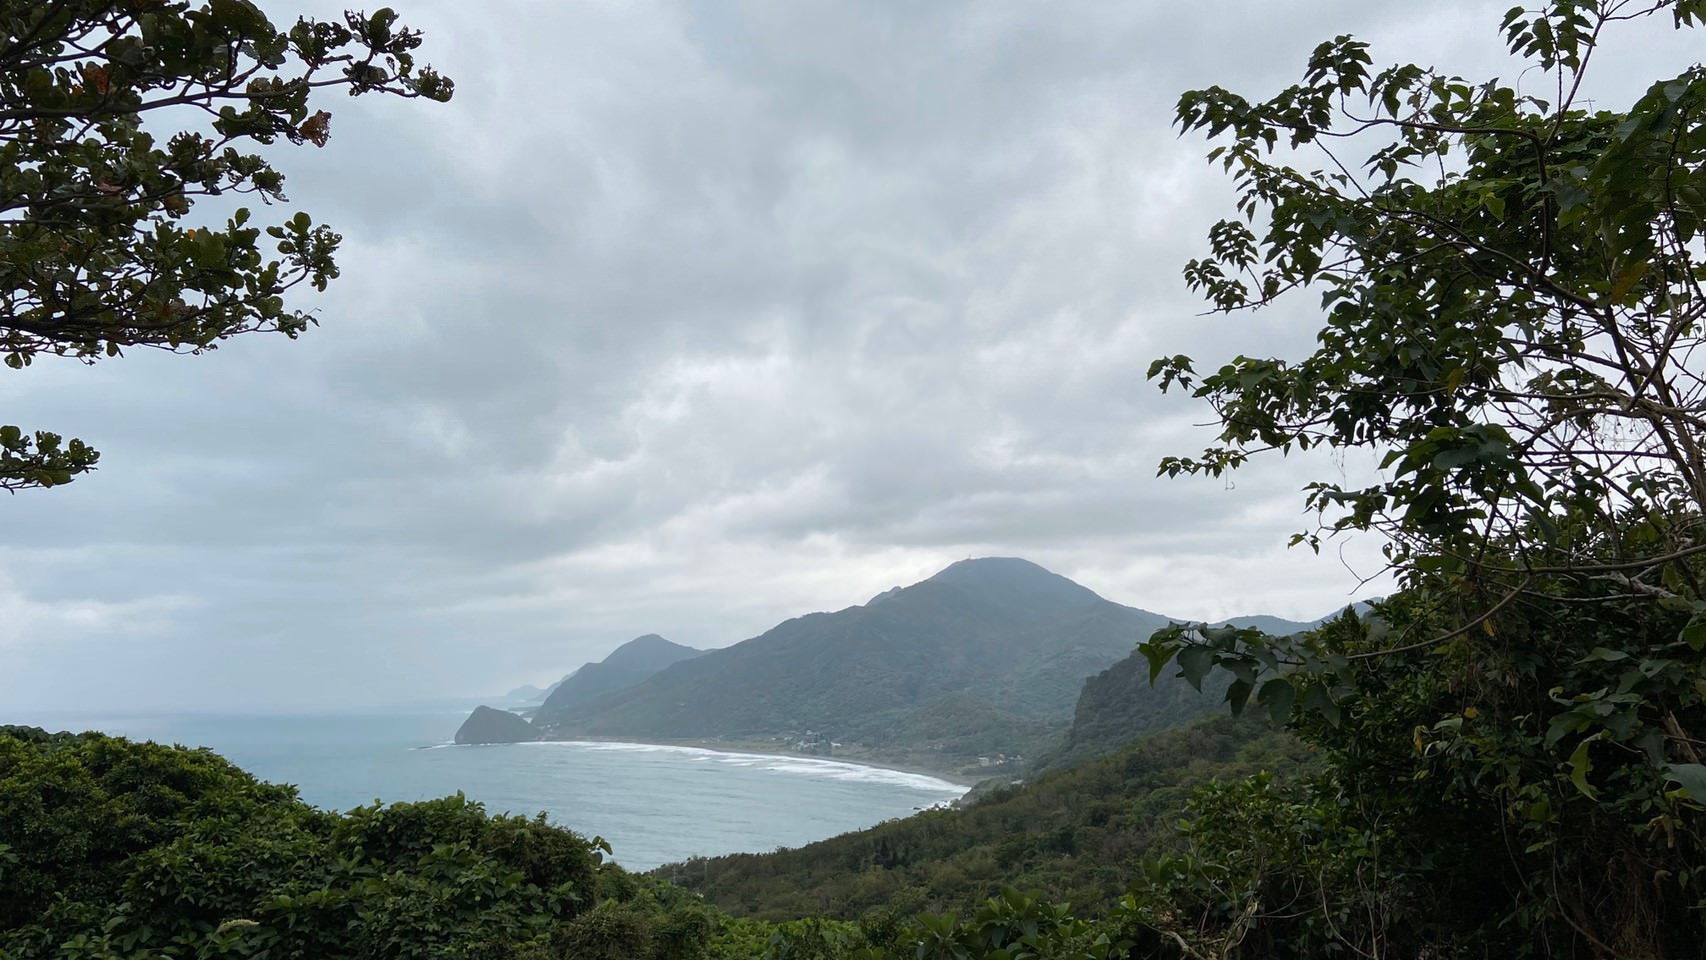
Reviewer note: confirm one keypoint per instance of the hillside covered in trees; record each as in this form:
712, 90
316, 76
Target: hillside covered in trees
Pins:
982, 665
987, 657
1078, 833
110, 848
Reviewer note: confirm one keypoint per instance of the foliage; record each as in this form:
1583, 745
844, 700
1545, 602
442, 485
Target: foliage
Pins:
115, 849
1460, 809
1007, 926
1512, 300
1078, 833
100, 167
1011, 926
1514, 335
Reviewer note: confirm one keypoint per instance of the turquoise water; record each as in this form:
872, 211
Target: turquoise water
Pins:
654, 804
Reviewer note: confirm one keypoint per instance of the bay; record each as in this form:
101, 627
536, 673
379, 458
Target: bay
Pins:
654, 804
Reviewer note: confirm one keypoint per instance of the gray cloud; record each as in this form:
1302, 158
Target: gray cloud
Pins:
689, 318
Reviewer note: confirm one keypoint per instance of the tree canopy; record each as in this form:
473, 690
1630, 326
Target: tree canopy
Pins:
116, 117
1512, 295
111, 849
1510, 283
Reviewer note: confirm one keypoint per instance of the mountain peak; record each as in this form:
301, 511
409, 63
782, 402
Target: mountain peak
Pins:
627, 665
1016, 579
988, 656
647, 648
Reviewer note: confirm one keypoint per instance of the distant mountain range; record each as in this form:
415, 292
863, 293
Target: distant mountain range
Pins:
529, 693
532, 694
974, 667
993, 648
628, 664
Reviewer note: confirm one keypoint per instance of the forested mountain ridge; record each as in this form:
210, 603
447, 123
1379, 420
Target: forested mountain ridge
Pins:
627, 665
1120, 703
991, 644
1080, 834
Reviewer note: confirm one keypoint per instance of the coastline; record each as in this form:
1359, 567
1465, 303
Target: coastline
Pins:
768, 749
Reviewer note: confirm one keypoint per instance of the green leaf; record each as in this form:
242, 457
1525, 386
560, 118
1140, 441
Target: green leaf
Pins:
1691, 776
1318, 699
1694, 635
1194, 663
1627, 279
1330, 710
239, 16
1580, 766
1279, 695
1159, 653
1238, 694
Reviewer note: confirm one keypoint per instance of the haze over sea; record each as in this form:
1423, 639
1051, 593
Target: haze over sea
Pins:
655, 804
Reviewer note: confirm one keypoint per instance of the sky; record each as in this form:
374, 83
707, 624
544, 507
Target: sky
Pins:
689, 318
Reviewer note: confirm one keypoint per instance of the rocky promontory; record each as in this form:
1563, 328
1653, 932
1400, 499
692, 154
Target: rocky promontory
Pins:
488, 725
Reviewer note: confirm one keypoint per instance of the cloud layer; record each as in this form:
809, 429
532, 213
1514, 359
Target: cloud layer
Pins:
687, 318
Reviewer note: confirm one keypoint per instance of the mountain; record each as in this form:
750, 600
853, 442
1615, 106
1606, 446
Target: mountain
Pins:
1273, 626
526, 699
992, 644
627, 665
527, 693
546, 693
1119, 703
487, 725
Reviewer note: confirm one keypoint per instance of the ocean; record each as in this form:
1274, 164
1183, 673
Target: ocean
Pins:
654, 804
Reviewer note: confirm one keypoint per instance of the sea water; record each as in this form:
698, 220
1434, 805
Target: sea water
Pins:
654, 804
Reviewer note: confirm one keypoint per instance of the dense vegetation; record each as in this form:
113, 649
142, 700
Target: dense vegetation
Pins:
111, 849
1513, 319
115, 849
1079, 834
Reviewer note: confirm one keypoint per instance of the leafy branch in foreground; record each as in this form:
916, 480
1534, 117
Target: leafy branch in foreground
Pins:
102, 161
1512, 298
1512, 309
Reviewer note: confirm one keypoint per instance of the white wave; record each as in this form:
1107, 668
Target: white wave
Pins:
861, 773
815, 767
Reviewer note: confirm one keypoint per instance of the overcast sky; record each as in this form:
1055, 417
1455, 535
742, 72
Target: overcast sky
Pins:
688, 318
